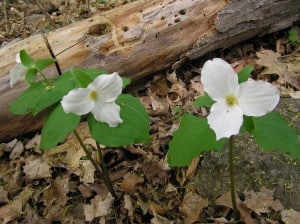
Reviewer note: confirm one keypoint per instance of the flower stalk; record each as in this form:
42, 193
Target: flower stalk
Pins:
105, 171
103, 174
232, 182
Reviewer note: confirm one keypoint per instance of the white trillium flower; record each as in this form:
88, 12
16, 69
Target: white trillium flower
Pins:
17, 72
233, 100
99, 98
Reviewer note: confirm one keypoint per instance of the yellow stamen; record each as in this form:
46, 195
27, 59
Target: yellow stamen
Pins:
231, 100
93, 95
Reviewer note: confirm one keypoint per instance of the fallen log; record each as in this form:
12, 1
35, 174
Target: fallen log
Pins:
141, 38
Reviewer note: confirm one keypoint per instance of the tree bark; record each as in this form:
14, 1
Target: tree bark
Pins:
141, 38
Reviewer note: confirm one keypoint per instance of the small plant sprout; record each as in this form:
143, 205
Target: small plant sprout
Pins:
27, 67
98, 98
17, 72
114, 119
237, 105
233, 100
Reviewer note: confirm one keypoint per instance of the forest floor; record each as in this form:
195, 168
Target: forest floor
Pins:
59, 186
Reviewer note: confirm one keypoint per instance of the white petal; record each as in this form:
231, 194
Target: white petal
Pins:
108, 113
16, 73
109, 87
224, 120
257, 98
18, 59
78, 101
219, 79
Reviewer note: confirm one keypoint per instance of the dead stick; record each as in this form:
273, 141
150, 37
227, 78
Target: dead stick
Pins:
5, 10
44, 11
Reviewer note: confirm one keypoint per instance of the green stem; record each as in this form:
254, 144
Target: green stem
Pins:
48, 83
232, 183
94, 163
105, 172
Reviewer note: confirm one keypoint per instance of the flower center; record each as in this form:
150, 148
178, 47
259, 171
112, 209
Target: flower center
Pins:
93, 95
231, 100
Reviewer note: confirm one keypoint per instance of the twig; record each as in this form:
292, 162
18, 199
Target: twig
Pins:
94, 163
44, 11
52, 54
104, 169
89, 6
5, 10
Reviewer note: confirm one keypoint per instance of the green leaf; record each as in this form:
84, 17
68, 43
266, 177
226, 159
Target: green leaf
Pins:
40, 96
193, 137
247, 124
26, 60
205, 101
134, 129
272, 132
57, 126
43, 63
126, 82
245, 73
30, 75
81, 77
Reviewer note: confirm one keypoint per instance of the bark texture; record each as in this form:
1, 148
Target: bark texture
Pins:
141, 38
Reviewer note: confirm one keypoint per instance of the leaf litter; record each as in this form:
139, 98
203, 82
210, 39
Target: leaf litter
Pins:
61, 185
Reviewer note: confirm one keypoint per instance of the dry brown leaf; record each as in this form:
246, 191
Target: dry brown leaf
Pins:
8, 146
172, 78
3, 196
37, 169
128, 205
290, 216
57, 192
192, 206
288, 71
87, 173
85, 191
192, 168
130, 182
160, 87
17, 150
159, 105
245, 213
34, 143
197, 86
31, 216
170, 188
179, 89
269, 59
55, 198
15, 180
262, 202
99, 207
154, 173
295, 94
159, 209
158, 219
14, 209
54, 212
143, 204
66, 155
225, 200
146, 101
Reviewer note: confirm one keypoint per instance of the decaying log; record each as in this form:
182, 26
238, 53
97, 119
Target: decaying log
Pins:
141, 38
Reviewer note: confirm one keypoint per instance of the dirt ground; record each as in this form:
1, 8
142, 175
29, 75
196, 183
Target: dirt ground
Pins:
58, 186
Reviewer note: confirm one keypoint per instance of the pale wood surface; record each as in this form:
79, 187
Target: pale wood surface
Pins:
141, 38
